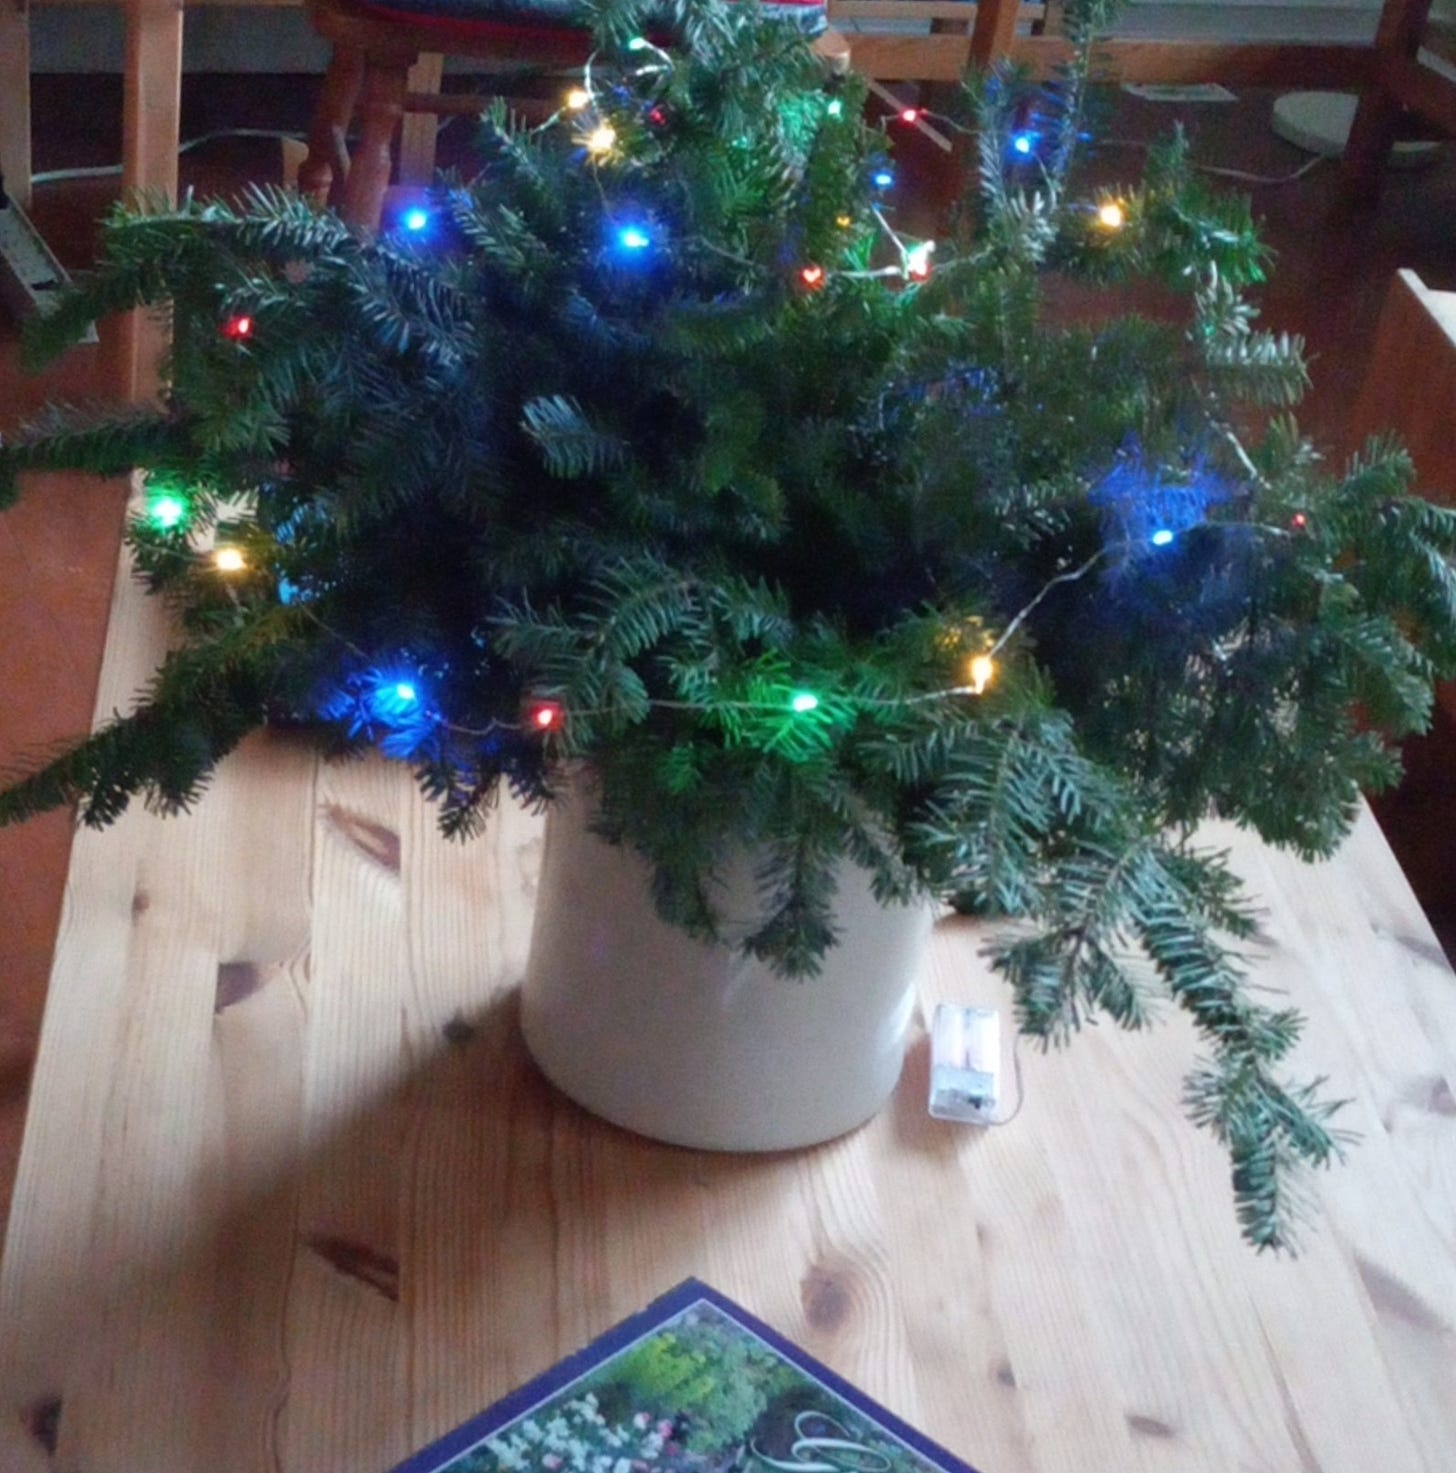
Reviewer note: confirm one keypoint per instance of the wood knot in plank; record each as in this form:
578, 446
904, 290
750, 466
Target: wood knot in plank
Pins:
1418, 946
1440, 1100
1148, 1426
141, 903
376, 843
828, 1297
459, 1030
235, 982
358, 1261
43, 1421
1005, 1374
1394, 1299
1428, 1094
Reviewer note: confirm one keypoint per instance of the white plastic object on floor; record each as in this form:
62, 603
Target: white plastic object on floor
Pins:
31, 278
1320, 122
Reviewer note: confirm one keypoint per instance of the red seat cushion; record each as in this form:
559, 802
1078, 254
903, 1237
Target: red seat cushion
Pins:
553, 23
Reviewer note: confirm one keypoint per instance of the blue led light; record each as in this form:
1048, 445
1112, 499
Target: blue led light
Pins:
882, 178
633, 238
1162, 537
392, 700
1024, 144
416, 219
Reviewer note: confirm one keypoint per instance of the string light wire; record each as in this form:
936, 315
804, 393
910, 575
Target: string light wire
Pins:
983, 664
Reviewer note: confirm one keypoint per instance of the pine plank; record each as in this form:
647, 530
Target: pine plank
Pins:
293, 1198
417, 132
151, 126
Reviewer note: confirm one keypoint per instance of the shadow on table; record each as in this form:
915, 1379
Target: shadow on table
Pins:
360, 1266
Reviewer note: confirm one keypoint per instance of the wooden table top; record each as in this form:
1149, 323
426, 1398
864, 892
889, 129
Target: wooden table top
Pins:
292, 1197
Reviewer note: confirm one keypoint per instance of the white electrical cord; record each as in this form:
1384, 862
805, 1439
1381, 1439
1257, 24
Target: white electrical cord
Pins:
1308, 166
106, 171
1267, 180
103, 171
1020, 1087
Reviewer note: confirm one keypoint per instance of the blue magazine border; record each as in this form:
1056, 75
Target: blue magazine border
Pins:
691, 1291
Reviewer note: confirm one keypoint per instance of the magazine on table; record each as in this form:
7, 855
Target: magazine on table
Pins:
692, 1384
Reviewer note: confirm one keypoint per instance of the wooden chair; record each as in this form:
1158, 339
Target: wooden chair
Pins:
386, 67
1410, 388
1399, 83
1410, 385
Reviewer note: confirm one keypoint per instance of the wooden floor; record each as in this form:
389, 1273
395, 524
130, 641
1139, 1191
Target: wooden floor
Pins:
57, 549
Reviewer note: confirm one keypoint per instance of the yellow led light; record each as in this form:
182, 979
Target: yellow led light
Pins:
228, 560
983, 672
844, 221
1111, 216
602, 139
577, 99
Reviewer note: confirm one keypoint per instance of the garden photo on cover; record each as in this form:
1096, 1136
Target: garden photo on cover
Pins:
699, 1394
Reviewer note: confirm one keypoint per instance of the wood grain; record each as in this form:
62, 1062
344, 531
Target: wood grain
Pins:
995, 30
292, 1197
417, 133
151, 123
944, 58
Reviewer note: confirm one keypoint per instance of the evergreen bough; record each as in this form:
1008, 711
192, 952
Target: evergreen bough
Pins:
732, 511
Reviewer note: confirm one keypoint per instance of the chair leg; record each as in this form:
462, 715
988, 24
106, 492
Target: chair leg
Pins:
1372, 136
327, 164
382, 108
1402, 25
417, 137
994, 32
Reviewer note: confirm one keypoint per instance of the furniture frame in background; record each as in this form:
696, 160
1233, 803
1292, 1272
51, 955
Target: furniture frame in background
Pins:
1399, 82
962, 32
385, 73
1410, 388
1029, 34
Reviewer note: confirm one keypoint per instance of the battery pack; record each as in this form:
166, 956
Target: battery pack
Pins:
965, 1064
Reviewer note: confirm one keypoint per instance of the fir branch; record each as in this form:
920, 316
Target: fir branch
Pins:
202, 702
570, 445
100, 440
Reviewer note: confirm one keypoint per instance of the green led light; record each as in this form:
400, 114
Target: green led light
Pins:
804, 701
638, 43
167, 511
835, 108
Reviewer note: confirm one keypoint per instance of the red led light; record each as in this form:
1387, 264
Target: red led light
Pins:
546, 717
1299, 521
237, 327
657, 117
812, 277
910, 115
